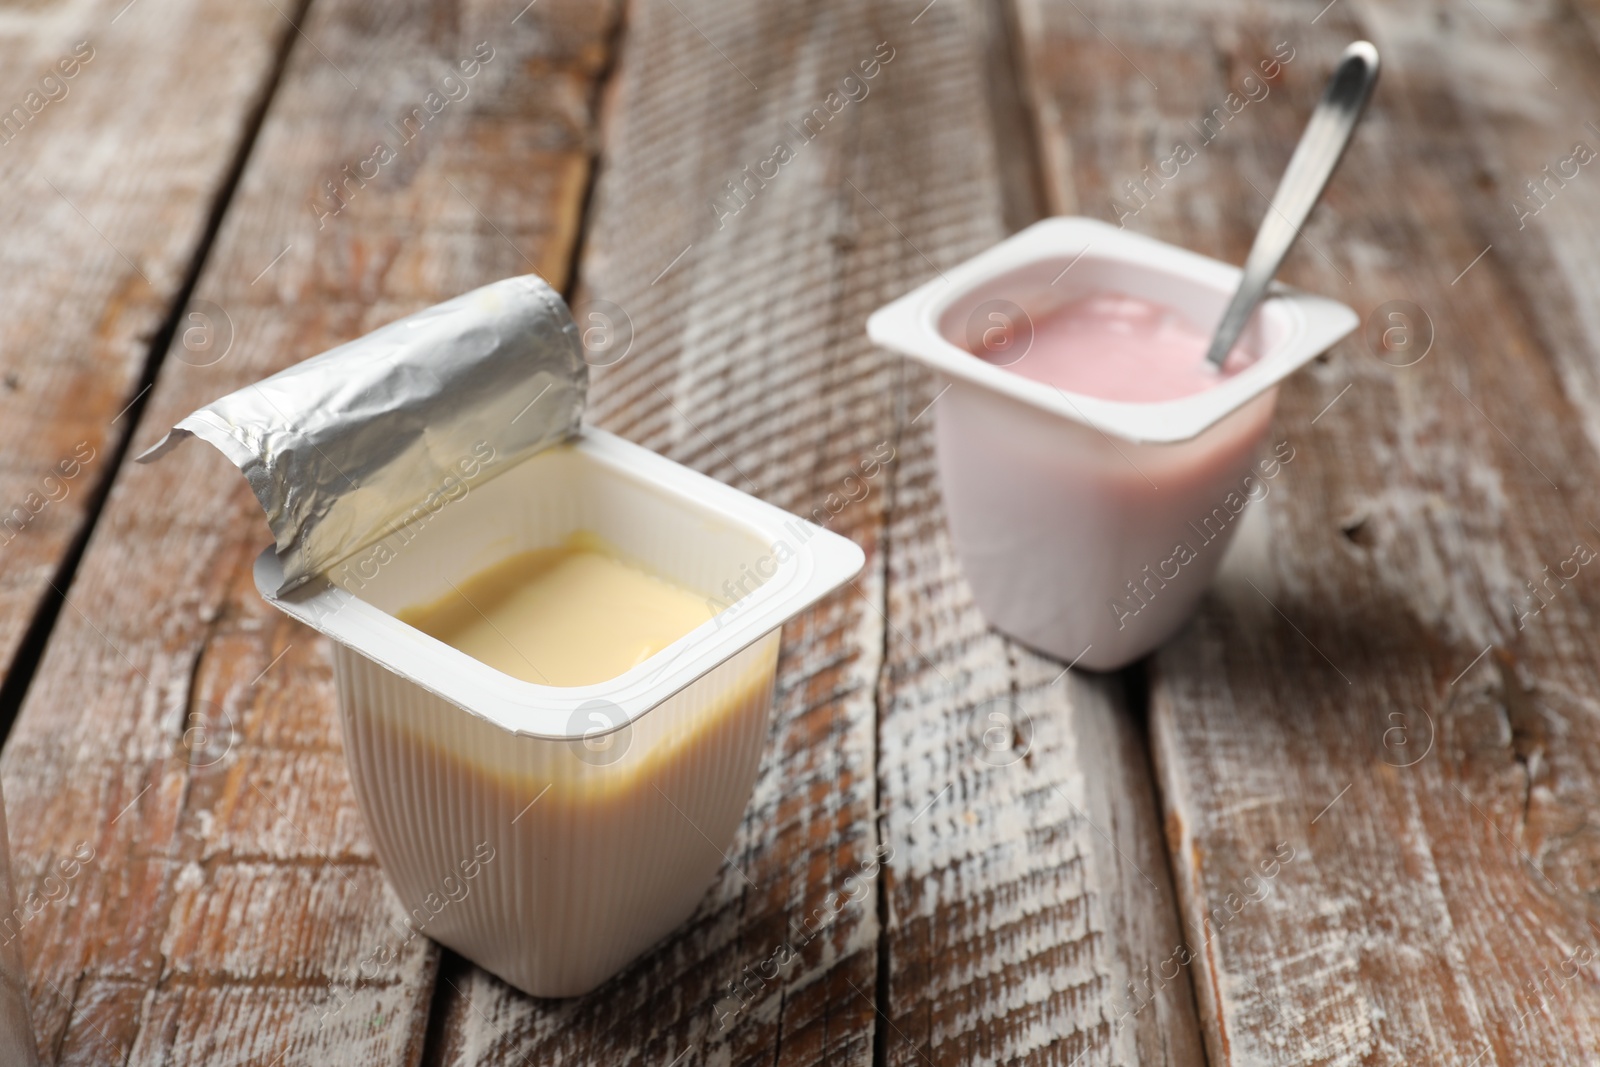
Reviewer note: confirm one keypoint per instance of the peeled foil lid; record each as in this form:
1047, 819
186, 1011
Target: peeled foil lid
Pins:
347, 447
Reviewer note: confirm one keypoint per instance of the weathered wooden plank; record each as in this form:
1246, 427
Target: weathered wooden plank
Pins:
179, 729
119, 130
1522, 130
1034, 909
749, 362
1368, 705
1032, 906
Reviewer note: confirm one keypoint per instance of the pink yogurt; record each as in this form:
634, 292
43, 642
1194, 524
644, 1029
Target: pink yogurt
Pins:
1119, 347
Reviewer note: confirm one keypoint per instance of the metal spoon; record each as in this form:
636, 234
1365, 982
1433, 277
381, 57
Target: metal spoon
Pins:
1312, 164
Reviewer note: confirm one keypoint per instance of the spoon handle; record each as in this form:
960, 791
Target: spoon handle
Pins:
1312, 164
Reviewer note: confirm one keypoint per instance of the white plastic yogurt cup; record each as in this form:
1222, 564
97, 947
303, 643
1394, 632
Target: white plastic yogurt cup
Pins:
552, 834
1089, 528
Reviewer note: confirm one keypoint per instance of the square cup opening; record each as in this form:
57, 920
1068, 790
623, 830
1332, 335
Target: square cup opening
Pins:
1058, 260
755, 565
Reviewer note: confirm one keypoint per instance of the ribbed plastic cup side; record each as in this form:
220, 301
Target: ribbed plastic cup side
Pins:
553, 864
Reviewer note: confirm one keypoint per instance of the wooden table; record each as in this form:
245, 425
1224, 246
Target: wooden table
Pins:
1386, 700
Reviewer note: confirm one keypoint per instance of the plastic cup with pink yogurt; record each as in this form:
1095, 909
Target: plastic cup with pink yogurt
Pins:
1094, 465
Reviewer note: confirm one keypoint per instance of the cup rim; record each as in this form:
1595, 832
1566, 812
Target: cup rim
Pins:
1306, 325
820, 562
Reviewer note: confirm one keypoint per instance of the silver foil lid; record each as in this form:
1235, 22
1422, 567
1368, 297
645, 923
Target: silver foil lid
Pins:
347, 447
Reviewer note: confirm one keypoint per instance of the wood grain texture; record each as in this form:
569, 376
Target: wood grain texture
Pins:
1031, 903
1002, 926
178, 731
749, 362
110, 178
1367, 704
